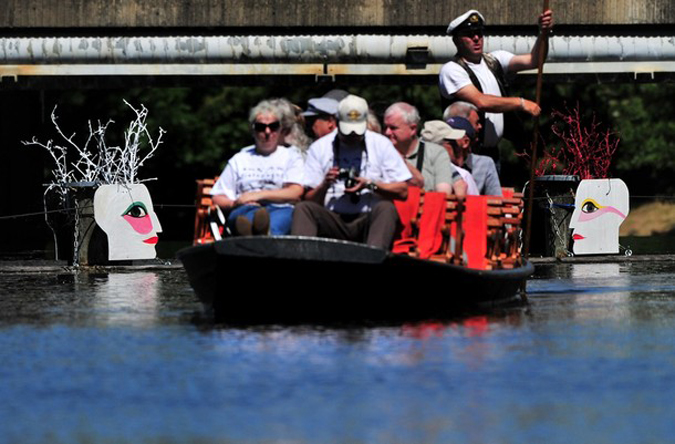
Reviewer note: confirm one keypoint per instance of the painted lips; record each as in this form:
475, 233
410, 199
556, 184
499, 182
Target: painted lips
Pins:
578, 237
151, 240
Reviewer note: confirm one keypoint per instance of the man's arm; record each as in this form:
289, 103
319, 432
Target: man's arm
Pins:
290, 193
224, 186
386, 190
392, 190
417, 177
223, 201
443, 170
460, 188
318, 193
444, 187
496, 104
531, 60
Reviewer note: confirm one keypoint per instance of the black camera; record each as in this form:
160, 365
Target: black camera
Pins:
349, 176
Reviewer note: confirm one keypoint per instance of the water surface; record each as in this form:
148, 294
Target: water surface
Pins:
126, 357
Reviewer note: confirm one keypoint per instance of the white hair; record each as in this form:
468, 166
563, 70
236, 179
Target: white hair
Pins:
459, 109
265, 107
292, 124
407, 111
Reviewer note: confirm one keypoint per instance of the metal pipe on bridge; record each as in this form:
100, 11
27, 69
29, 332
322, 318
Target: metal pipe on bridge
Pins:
336, 54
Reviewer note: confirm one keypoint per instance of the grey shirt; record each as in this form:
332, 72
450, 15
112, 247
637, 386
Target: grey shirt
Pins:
483, 170
437, 167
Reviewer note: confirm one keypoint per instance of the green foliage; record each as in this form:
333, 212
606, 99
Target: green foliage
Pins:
206, 126
644, 118
642, 115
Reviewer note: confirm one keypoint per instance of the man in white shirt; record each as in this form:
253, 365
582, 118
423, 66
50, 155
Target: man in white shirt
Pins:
478, 78
351, 177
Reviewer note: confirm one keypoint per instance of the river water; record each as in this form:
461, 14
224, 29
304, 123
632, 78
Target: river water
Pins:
126, 357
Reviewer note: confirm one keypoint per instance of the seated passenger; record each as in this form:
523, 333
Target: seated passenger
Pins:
482, 168
261, 182
439, 132
352, 175
428, 162
320, 116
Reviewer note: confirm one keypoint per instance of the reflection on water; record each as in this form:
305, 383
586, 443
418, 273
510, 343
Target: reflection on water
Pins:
125, 358
128, 298
140, 299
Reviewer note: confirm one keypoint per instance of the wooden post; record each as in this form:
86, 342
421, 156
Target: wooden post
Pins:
533, 146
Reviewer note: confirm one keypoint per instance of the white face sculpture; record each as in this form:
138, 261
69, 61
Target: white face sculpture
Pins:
125, 213
600, 207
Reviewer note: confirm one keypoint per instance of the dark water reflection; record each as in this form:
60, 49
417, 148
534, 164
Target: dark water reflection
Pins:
126, 357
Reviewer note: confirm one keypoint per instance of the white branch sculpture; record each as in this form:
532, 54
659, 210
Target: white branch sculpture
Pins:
101, 164
95, 163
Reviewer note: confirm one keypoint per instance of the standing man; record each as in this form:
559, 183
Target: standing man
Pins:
479, 78
351, 177
428, 162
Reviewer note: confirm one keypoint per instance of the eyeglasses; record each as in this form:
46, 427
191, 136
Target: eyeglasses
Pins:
261, 127
471, 33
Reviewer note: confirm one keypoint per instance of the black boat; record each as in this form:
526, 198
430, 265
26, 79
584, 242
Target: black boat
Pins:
263, 280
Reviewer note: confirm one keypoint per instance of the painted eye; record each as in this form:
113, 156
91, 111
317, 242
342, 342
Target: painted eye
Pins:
589, 207
137, 210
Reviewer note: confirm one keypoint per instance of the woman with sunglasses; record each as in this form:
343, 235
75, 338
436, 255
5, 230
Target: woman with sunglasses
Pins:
261, 182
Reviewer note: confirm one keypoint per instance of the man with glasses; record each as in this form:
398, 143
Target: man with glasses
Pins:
479, 78
320, 116
482, 168
351, 177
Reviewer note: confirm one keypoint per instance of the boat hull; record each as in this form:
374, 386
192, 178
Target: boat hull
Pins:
299, 280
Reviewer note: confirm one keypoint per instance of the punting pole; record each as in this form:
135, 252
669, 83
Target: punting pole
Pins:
535, 139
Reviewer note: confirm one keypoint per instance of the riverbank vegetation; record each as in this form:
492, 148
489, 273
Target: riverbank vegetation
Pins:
207, 125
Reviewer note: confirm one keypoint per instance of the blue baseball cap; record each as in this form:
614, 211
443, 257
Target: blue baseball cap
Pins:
462, 124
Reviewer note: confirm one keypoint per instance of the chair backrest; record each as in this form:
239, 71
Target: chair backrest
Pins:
419, 239
481, 232
203, 203
505, 217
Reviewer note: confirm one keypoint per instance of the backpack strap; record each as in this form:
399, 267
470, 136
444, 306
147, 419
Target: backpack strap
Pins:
495, 68
420, 156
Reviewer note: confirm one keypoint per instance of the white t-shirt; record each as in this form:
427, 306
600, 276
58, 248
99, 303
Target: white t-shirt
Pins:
453, 77
249, 170
472, 188
379, 162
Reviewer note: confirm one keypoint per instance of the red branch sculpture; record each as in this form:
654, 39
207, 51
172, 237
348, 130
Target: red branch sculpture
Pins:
586, 151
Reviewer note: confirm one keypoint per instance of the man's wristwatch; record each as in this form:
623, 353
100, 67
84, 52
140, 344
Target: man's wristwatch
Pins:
372, 186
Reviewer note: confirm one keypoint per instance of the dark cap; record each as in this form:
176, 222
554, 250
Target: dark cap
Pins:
461, 123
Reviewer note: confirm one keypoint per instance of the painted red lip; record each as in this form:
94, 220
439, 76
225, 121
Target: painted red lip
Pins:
578, 237
151, 240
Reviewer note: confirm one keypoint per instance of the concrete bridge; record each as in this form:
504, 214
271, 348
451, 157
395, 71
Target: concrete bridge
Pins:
106, 39
379, 16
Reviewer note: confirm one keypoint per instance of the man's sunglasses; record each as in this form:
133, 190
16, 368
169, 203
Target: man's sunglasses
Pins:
471, 33
261, 127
